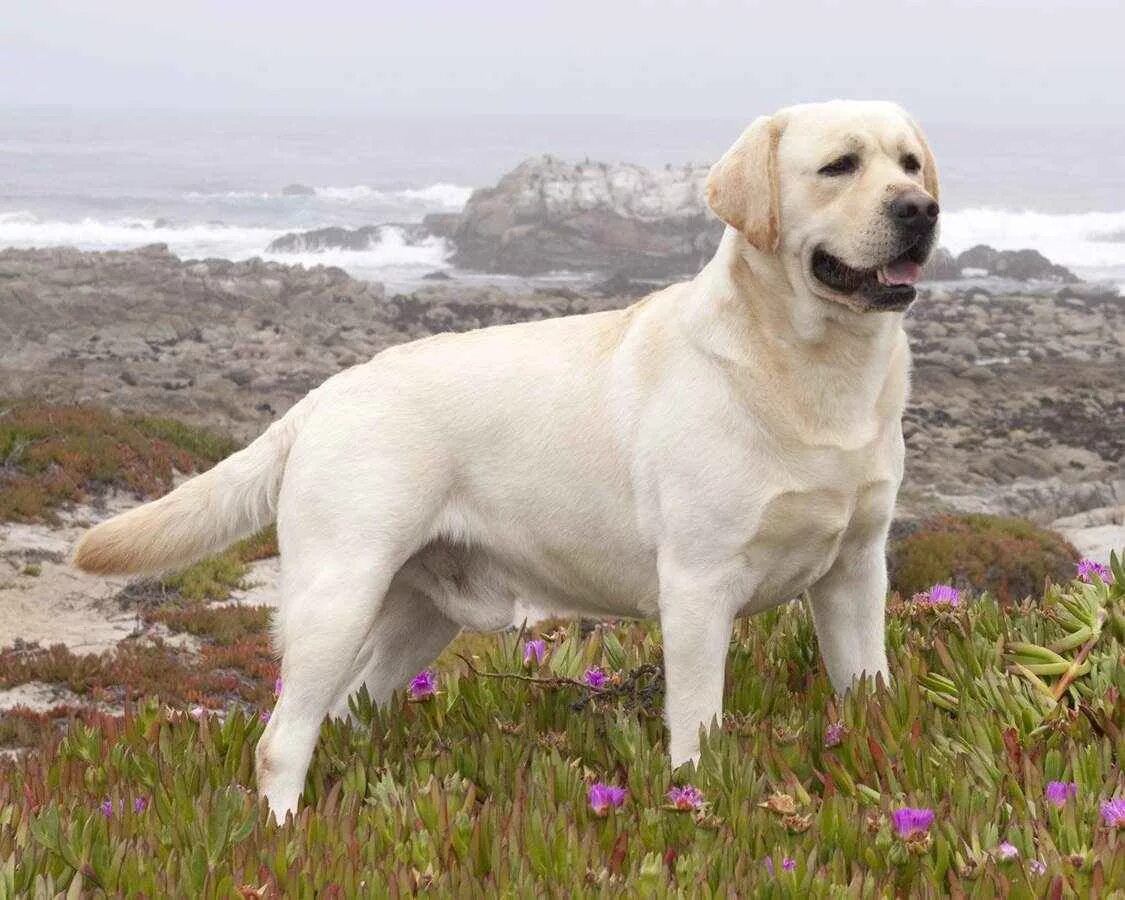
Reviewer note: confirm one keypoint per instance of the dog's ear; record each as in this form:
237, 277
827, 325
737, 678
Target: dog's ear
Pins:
929, 167
742, 187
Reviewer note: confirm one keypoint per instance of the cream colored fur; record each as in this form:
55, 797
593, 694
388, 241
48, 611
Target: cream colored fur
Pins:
718, 448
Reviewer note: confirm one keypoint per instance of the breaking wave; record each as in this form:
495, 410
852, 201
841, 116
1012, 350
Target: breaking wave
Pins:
441, 196
1089, 240
391, 248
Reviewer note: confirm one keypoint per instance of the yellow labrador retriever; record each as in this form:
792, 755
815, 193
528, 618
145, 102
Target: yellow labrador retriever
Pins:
715, 449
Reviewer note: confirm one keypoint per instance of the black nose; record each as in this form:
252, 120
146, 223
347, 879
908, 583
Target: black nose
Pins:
914, 211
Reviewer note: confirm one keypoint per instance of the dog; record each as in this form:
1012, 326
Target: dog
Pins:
720, 447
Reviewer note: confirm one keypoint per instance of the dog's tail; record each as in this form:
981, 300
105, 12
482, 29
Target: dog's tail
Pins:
203, 515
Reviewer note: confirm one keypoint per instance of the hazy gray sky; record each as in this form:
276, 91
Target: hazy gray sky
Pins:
965, 60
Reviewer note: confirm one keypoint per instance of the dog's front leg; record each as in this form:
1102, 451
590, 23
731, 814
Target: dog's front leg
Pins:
848, 606
695, 622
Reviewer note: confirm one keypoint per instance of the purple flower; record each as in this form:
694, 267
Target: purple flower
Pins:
910, 822
943, 595
106, 808
604, 796
1058, 792
788, 864
1088, 568
534, 651
423, 685
686, 797
1113, 812
277, 686
594, 677
140, 804
834, 734
1006, 851
1036, 867
198, 712
264, 715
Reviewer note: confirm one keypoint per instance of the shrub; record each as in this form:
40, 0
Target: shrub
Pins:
53, 455
213, 578
1008, 557
216, 577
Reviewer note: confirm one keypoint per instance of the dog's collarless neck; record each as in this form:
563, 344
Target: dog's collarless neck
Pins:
746, 314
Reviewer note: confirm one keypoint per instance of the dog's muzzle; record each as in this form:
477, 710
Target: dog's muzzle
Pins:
890, 286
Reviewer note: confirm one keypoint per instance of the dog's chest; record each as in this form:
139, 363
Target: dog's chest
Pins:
804, 517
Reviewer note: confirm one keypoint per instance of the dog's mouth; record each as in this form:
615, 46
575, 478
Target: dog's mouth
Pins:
889, 287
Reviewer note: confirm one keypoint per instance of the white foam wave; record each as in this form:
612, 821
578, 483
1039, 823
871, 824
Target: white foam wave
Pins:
391, 249
452, 196
439, 196
21, 229
442, 195
1091, 240
230, 195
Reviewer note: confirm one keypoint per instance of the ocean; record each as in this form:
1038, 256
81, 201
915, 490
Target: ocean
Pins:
211, 184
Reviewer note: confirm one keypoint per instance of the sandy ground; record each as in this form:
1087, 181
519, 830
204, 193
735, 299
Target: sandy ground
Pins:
263, 585
44, 599
38, 696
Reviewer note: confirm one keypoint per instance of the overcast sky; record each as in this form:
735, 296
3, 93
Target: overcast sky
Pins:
968, 61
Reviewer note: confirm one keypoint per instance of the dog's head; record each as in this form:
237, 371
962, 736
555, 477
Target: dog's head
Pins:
843, 193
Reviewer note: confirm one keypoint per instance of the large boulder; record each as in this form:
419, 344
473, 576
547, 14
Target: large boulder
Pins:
442, 224
1021, 265
550, 215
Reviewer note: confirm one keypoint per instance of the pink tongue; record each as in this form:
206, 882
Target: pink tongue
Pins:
902, 271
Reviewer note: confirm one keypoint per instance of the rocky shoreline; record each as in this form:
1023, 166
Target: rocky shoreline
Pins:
1017, 398
619, 221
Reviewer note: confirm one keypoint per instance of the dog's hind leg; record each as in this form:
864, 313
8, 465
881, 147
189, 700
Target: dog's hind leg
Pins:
342, 541
408, 635
322, 629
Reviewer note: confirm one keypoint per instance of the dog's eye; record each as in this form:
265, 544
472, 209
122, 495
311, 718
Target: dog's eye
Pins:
844, 165
910, 163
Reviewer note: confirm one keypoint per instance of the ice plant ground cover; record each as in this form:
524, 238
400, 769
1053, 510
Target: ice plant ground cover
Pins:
482, 781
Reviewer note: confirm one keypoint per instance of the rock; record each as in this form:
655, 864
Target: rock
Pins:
948, 360
962, 346
241, 377
442, 224
337, 238
1095, 533
941, 267
1022, 265
437, 276
549, 215
230, 344
1078, 296
298, 190
333, 238
621, 285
